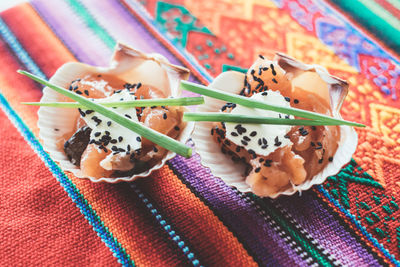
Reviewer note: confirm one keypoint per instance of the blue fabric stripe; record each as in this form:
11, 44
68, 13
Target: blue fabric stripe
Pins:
354, 220
173, 235
73, 192
98, 225
166, 227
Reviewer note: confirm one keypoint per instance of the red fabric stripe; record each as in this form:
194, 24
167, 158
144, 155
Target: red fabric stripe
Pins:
39, 224
389, 7
36, 38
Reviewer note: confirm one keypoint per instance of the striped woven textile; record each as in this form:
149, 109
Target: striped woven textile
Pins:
182, 215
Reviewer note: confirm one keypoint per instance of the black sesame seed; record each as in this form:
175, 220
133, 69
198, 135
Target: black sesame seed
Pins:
244, 142
81, 112
264, 146
264, 93
56, 129
287, 136
264, 141
238, 149
304, 133
253, 133
319, 143
138, 85
287, 99
330, 159
89, 111
78, 92
257, 170
274, 80
260, 142
313, 128
234, 134
296, 101
113, 141
267, 163
226, 142
108, 123
107, 132
176, 128
86, 92
252, 72
246, 138
155, 149
121, 150
97, 134
273, 69
212, 131
114, 148
128, 147
120, 138
138, 139
75, 88
164, 116
320, 160
261, 160
261, 56
312, 144
128, 116
277, 142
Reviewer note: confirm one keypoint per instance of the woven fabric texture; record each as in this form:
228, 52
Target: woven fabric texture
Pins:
182, 215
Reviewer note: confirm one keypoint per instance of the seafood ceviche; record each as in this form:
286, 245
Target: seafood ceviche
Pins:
94, 146
110, 134
277, 158
105, 149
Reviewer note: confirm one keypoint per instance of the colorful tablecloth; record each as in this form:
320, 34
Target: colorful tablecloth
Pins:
182, 215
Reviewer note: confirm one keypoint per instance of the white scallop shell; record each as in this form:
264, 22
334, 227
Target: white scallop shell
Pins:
232, 174
126, 63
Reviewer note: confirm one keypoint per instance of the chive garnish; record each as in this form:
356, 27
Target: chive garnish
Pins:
183, 101
148, 133
248, 102
237, 118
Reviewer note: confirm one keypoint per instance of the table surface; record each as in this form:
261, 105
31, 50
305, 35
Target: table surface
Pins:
183, 215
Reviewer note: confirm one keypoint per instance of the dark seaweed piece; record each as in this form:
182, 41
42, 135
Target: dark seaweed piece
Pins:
77, 144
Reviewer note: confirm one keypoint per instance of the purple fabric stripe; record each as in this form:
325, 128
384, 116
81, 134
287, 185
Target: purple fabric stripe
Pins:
123, 26
325, 228
70, 29
240, 216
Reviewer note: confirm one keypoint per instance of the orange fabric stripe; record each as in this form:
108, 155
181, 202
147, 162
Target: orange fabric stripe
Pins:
37, 38
206, 233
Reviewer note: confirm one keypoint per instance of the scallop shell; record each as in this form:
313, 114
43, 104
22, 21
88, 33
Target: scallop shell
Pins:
127, 64
232, 174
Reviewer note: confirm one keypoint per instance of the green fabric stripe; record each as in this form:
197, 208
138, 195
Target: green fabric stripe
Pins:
91, 23
382, 13
287, 227
387, 31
